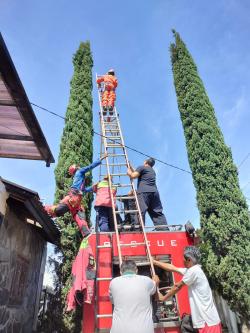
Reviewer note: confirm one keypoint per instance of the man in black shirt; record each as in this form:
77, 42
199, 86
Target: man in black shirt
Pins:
148, 194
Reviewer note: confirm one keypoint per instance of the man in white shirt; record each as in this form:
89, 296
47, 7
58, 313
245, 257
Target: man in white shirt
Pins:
131, 295
204, 313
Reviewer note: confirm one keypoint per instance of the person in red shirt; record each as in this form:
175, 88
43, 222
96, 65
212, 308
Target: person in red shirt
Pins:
103, 204
109, 83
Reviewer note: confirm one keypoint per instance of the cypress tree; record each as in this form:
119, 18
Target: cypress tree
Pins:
76, 148
225, 223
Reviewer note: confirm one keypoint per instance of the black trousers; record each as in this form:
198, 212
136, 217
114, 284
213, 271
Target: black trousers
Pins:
150, 202
130, 218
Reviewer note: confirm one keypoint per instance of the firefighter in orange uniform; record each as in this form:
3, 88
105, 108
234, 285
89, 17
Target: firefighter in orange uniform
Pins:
110, 83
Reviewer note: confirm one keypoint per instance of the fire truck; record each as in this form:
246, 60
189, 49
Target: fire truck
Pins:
132, 241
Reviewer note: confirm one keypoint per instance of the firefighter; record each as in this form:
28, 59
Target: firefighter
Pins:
148, 195
72, 202
103, 204
110, 83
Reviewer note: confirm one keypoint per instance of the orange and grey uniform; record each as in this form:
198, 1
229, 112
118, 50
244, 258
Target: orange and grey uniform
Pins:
110, 83
72, 201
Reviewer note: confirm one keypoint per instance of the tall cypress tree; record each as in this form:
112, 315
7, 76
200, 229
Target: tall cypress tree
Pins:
223, 209
76, 148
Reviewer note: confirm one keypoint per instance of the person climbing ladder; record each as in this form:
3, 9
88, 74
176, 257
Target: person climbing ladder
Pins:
109, 82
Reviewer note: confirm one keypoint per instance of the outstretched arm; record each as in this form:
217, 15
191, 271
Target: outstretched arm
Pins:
92, 188
93, 165
166, 266
172, 291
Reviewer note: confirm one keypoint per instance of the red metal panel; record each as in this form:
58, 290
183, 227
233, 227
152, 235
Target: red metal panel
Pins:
161, 243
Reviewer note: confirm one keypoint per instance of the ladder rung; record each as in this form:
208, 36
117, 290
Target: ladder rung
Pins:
115, 175
114, 146
109, 123
111, 130
132, 211
104, 279
124, 197
133, 244
115, 155
113, 137
118, 164
104, 316
122, 185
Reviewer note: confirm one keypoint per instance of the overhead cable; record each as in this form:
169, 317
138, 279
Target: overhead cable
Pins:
244, 160
128, 147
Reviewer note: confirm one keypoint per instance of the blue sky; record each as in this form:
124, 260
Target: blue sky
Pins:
133, 37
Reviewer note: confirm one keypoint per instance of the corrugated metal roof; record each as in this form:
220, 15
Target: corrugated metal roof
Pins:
20, 133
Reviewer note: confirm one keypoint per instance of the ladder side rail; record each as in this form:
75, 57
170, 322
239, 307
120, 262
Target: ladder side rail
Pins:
101, 151
110, 182
137, 202
97, 255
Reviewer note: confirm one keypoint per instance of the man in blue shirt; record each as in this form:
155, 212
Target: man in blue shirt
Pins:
72, 201
79, 174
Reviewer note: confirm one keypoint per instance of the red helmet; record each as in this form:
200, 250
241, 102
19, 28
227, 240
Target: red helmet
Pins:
111, 72
72, 169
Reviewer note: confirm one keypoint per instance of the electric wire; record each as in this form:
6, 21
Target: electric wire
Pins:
128, 147
244, 160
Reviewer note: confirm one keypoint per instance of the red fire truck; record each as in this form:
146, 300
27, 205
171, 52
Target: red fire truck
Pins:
131, 241
165, 246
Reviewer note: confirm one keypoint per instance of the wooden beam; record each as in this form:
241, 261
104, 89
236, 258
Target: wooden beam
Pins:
6, 103
16, 137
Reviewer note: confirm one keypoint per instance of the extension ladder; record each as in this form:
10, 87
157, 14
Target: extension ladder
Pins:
112, 143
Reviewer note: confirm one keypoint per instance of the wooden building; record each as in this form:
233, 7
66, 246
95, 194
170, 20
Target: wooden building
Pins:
25, 228
24, 231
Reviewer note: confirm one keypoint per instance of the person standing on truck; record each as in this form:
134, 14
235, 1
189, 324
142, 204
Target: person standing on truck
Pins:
148, 195
203, 310
103, 203
131, 295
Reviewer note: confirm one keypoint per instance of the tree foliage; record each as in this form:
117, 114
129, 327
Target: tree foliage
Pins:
76, 148
223, 209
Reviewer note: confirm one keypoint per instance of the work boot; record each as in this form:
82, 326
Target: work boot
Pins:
111, 109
